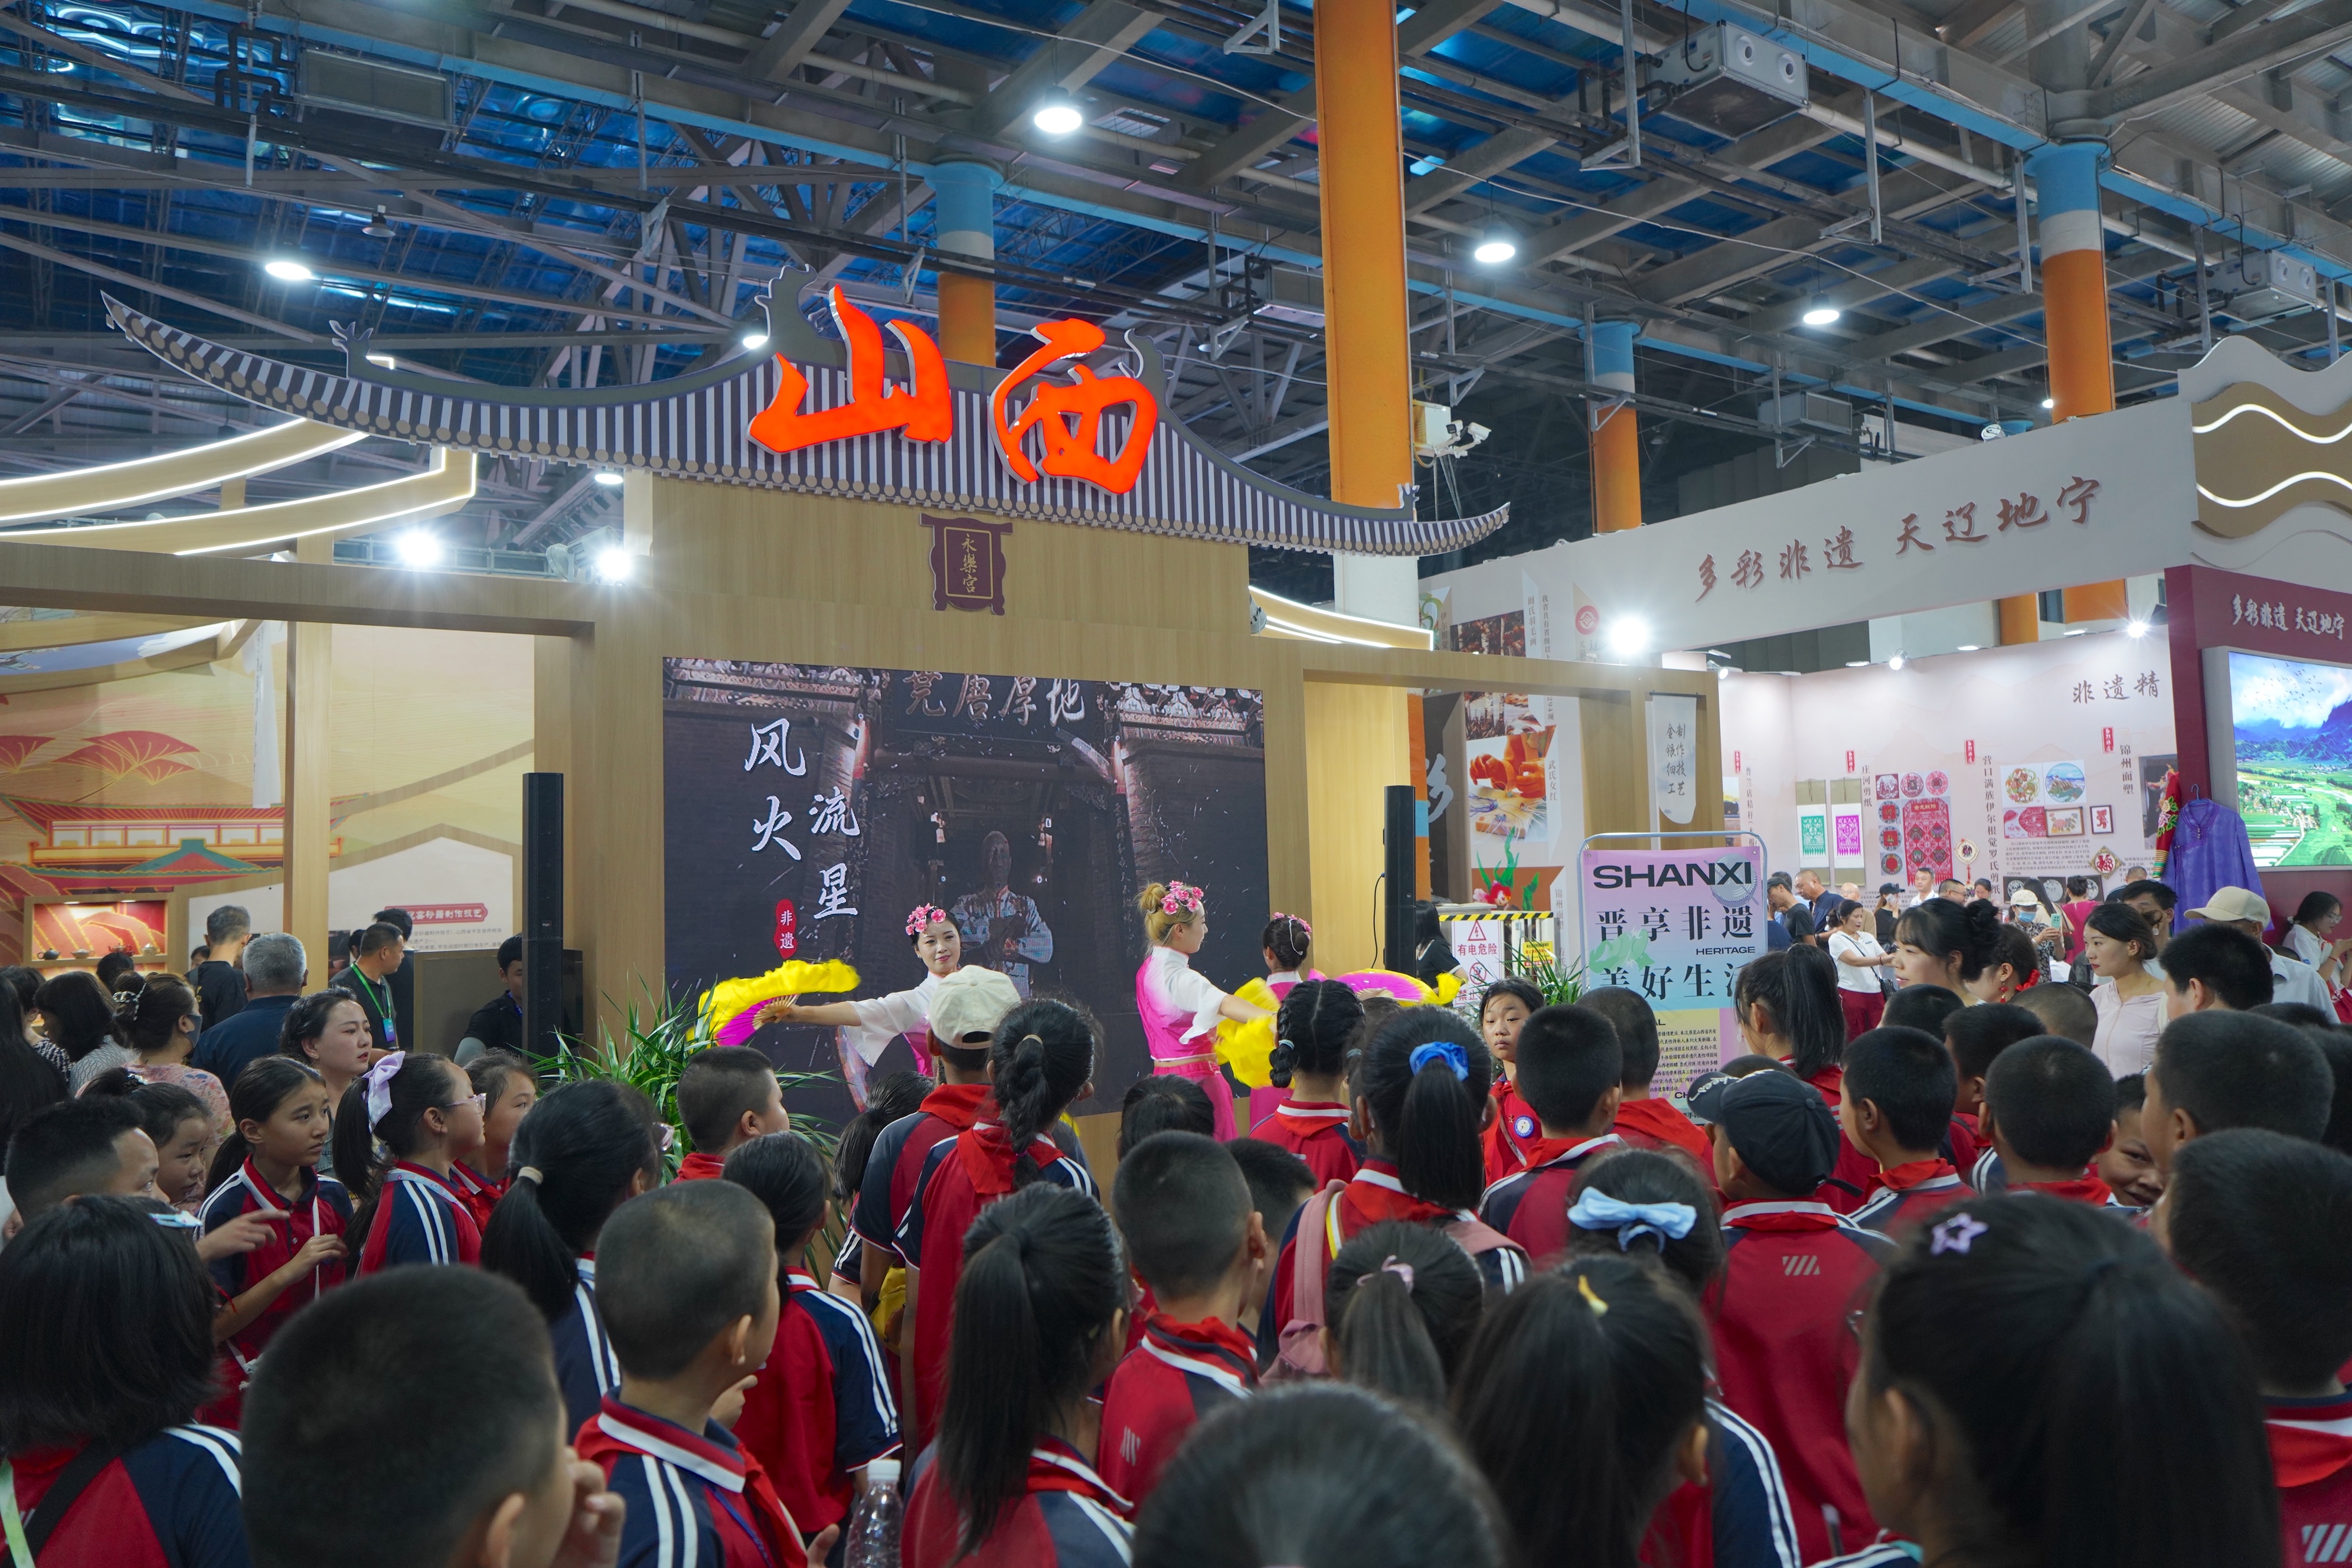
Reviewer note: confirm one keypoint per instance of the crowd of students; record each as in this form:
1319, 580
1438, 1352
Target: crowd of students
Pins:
1942, 1291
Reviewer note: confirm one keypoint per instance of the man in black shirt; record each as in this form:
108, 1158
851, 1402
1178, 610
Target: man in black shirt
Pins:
219, 983
375, 954
1788, 911
496, 1025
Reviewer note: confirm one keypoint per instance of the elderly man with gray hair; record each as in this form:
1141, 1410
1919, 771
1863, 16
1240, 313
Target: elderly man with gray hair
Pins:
276, 972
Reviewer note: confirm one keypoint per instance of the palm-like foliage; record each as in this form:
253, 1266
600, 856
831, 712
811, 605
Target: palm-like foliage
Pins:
1539, 966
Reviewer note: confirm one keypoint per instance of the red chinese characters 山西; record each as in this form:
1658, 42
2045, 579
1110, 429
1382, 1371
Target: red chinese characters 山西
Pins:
1067, 416
925, 408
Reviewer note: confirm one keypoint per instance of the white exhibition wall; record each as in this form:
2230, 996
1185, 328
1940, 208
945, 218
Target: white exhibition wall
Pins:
2044, 757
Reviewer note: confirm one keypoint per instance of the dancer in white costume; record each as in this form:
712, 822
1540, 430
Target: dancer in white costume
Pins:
866, 1027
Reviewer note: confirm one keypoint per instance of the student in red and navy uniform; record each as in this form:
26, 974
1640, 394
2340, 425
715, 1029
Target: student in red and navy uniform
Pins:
2038, 1386
890, 1097
582, 1153
1400, 1306
1976, 1036
1310, 1061
2125, 1165
685, 1278
1894, 1105
422, 1111
441, 1375
2050, 1110
1570, 1073
1424, 1069
1789, 1010
269, 1167
1042, 1058
509, 1090
2264, 1222
1194, 1240
1645, 1120
965, 1011
1584, 1400
726, 1096
1793, 1268
821, 1410
1641, 1202
1507, 1004
106, 1351
1040, 1310
1325, 1473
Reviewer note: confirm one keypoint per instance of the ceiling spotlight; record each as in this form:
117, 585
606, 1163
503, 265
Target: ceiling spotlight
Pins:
1629, 635
1724, 672
2049, 402
1056, 116
2135, 628
380, 228
755, 339
285, 270
613, 564
1496, 246
418, 548
1822, 315
608, 477
1894, 663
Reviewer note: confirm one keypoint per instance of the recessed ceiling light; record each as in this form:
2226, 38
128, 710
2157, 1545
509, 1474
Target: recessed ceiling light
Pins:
608, 475
2076, 631
2049, 402
1971, 647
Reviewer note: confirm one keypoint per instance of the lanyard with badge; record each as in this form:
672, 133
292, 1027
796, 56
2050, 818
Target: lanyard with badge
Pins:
383, 1007
20, 1552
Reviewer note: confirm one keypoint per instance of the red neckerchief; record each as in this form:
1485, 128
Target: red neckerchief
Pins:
989, 1157
2310, 1439
2084, 1189
1374, 1195
619, 1429
1828, 1080
701, 1167
1915, 1172
1659, 1120
1055, 1466
472, 1182
1231, 1356
1308, 1117
957, 1104
1783, 1214
1544, 1151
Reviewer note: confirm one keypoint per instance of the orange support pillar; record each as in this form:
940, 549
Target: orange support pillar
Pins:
1368, 361
2075, 312
1616, 444
965, 223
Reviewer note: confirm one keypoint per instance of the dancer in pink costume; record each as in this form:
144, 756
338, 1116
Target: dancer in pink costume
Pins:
869, 1025
1179, 1007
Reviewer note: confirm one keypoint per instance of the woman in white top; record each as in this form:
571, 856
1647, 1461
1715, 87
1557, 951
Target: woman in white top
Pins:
2311, 937
2130, 1001
868, 1027
1859, 960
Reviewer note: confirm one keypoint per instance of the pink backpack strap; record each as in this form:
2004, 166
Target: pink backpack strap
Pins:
1310, 1264
1475, 1237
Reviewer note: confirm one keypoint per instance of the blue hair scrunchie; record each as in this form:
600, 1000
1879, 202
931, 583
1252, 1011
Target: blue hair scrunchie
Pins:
1599, 1210
1450, 1052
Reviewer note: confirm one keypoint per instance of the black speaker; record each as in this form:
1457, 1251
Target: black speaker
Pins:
1398, 836
542, 911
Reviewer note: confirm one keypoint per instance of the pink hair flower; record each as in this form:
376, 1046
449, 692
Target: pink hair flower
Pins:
1181, 899
924, 916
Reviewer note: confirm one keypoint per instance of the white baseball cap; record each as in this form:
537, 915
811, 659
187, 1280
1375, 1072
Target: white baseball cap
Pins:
2234, 904
969, 1005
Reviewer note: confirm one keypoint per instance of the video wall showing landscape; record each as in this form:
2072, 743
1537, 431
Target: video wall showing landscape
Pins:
2291, 725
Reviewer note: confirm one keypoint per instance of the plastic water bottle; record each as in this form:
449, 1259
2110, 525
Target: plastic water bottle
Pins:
873, 1526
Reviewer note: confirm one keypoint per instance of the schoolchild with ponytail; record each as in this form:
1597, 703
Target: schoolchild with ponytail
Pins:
1939, 943
421, 1111
1310, 1061
580, 1153
1039, 1322
2038, 1386
1584, 1400
509, 1090
1419, 1099
821, 1409
1041, 1058
267, 1167
1789, 1010
1399, 1308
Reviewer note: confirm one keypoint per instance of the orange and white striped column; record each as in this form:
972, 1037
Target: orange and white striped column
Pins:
1616, 445
2075, 312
